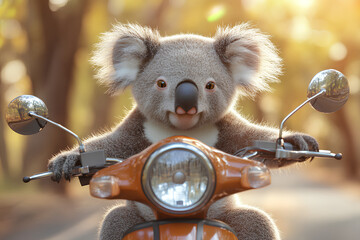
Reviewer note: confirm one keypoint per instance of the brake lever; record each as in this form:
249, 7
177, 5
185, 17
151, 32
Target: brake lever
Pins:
292, 155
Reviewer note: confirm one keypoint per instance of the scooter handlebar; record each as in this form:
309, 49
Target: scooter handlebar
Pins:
288, 151
76, 171
38, 176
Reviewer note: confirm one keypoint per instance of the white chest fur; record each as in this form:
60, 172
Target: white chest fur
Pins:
155, 132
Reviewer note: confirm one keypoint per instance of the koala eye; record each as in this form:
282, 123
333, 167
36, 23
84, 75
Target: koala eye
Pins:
210, 85
161, 83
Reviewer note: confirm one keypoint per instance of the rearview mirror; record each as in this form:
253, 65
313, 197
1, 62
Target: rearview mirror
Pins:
328, 91
18, 114
337, 90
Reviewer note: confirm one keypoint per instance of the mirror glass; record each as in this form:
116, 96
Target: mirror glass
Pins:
337, 90
18, 118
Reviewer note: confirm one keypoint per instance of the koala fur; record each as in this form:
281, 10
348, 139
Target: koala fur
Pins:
236, 61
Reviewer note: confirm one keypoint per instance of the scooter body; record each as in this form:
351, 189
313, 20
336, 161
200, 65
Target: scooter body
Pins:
210, 176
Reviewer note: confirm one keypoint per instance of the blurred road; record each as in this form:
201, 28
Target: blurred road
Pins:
302, 207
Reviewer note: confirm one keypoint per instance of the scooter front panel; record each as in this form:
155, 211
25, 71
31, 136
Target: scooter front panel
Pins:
197, 229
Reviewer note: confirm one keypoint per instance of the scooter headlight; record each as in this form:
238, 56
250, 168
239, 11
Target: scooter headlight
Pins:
178, 178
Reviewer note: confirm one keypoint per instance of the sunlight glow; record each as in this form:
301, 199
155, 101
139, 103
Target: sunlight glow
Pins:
354, 82
322, 38
55, 5
216, 13
10, 28
115, 7
13, 71
337, 51
300, 28
251, 4
302, 4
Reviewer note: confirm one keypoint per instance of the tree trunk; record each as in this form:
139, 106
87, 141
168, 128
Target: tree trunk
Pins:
343, 123
155, 18
349, 153
51, 64
4, 166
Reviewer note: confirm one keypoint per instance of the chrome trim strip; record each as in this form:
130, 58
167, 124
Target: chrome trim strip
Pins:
207, 222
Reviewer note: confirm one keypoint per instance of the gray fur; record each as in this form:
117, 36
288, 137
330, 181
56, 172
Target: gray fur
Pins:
240, 60
122, 217
250, 55
248, 222
125, 140
121, 54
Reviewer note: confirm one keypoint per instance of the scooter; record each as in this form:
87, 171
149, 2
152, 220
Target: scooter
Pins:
180, 177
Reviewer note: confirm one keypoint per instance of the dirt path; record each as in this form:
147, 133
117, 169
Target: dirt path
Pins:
302, 208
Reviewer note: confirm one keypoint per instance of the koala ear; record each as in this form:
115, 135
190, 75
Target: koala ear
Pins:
250, 57
121, 54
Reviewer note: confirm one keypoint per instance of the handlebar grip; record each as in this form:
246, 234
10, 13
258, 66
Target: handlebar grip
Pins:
37, 176
26, 179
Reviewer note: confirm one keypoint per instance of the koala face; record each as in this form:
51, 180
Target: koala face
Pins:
185, 81
184, 59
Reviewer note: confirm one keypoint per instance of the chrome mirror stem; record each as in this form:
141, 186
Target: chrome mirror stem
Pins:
280, 139
81, 145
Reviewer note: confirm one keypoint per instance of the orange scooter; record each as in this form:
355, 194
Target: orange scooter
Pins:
180, 177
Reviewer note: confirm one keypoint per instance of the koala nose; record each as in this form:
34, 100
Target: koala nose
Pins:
186, 98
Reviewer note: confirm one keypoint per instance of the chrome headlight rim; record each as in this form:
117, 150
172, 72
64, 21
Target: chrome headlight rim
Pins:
178, 210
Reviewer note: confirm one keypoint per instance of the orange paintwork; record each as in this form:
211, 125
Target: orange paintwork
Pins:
143, 234
178, 231
211, 232
228, 170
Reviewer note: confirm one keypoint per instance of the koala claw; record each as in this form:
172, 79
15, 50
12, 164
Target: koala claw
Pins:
63, 165
303, 142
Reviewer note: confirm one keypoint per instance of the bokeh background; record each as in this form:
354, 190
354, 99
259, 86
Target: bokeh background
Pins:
45, 47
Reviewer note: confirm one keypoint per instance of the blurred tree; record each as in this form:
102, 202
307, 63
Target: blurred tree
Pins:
53, 42
341, 121
53, 38
7, 11
4, 166
155, 19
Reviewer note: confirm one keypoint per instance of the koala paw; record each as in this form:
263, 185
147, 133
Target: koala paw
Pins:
302, 142
63, 164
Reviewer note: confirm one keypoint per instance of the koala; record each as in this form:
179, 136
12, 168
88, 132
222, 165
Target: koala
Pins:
185, 85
